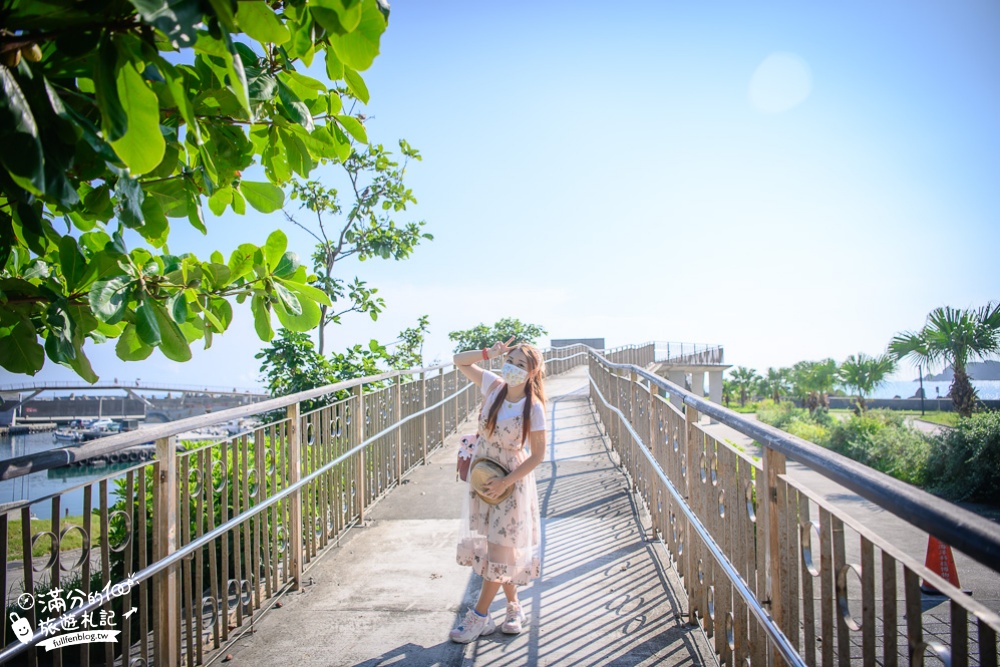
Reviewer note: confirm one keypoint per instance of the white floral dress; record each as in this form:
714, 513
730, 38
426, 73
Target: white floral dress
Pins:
502, 542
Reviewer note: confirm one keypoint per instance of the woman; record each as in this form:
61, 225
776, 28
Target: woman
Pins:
502, 542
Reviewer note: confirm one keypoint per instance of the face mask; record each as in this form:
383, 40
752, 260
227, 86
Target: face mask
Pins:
513, 375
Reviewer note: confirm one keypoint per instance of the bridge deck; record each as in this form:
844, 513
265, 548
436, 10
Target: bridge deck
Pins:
392, 591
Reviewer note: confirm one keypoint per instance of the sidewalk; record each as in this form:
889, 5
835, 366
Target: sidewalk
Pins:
392, 591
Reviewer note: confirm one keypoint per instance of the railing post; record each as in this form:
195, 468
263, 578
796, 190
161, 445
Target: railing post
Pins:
295, 499
165, 584
423, 418
774, 465
691, 417
441, 398
397, 403
359, 435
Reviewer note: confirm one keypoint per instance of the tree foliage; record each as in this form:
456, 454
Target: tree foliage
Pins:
812, 382
745, 380
482, 336
120, 117
953, 336
292, 364
365, 227
865, 373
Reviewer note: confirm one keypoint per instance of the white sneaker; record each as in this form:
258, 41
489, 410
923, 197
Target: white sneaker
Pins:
472, 626
515, 618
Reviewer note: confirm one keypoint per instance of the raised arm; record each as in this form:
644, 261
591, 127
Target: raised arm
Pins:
466, 361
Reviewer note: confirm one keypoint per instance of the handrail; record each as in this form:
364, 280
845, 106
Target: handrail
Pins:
961, 529
54, 458
196, 544
788, 652
219, 531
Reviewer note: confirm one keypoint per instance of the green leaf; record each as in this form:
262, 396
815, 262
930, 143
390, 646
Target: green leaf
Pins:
264, 197
114, 120
306, 320
293, 106
239, 203
129, 347
219, 275
217, 202
109, 298
22, 149
224, 10
142, 146
241, 261
354, 127
71, 261
356, 84
337, 16
259, 21
289, 301
287, 266
308, 292
194, 209
274, 248
20, 351
334, 68
175, 18
81, 364
237, 75
178, 91
129, 199
178, 307
261, 318
358, 48
223, 310
146, 324
155, 227
173, 343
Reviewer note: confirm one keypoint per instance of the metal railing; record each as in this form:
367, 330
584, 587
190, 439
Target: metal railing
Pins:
640, 355
186, 551
688, 353
773, 571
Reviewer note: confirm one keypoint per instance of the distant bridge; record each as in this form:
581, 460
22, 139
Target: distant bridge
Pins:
134, 406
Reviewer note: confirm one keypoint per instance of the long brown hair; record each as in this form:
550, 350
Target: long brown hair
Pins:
534, 390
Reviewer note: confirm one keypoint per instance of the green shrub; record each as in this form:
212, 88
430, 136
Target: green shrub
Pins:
779, 414
807, 430
901, 452
879, 439
964, 463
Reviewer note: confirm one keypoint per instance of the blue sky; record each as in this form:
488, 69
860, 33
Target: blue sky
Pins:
790, 180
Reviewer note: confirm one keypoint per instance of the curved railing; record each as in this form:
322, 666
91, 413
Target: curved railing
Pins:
201, 540
744, 534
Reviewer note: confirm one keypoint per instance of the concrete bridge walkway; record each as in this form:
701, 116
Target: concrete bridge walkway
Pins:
389, 594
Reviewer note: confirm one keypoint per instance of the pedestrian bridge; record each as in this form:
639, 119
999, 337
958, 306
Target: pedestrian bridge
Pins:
675, 532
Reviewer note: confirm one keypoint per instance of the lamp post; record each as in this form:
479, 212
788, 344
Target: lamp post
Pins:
920, 369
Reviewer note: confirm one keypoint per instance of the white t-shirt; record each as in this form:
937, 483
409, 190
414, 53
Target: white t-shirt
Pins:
515, 409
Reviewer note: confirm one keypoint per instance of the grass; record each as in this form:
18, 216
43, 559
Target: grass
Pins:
935, 416
43, 547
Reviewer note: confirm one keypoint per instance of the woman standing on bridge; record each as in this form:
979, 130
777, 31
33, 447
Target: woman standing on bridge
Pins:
502, 542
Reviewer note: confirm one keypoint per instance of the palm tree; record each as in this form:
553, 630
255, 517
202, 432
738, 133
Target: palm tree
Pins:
776, 383
745, 379
953, 336
813, 381
865, 373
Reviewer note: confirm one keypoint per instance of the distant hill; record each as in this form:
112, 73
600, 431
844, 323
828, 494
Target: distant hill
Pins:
986, 370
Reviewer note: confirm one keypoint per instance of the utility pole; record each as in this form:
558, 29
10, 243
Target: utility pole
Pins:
920, 369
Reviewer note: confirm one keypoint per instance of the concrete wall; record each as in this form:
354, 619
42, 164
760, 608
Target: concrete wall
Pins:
943, 404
